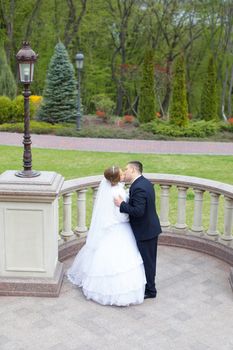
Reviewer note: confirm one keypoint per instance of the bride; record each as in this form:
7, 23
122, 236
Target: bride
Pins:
109, 267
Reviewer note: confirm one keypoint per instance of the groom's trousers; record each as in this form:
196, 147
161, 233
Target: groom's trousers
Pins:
148, 251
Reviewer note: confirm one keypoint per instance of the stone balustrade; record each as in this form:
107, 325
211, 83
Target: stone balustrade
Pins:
197, 237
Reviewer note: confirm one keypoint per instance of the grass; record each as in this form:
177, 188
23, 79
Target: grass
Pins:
74, 164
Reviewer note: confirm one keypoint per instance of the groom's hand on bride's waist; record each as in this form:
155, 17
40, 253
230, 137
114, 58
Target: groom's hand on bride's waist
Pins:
118, 200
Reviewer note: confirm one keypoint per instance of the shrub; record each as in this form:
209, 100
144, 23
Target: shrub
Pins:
35, 102
68, 129
5, 109
35, 126
209, 105
100, 114
128, 119
227, 126
104, 106
178, 109
147, 91
12, 127
17, 114
194, 129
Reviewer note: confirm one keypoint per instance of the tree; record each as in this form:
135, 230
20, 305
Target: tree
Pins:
209, 105
125, 27
177, 27
60, 94
179, 107
147, 92
7, 80
74, 21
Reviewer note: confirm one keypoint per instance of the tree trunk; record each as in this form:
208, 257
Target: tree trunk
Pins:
32, 17
120, 95
74, 21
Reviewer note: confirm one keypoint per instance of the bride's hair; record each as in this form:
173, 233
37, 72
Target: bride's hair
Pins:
112, 174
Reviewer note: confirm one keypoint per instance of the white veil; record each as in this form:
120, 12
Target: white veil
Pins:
103, 215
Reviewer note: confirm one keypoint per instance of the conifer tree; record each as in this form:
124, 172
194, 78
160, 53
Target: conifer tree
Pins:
7, 81
147, 91
60, 93
178, 109
209, 105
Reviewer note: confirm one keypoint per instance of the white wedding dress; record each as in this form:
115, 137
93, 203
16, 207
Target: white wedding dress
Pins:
109, 267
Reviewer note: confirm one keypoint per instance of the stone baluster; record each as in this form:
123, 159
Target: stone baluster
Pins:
59, 237
181, 215
228, 219
94, 194
67, 232
214, 202
164, 206
197, 215
81, 212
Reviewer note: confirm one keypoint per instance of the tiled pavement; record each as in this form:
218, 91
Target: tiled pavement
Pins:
115, 145
193, 311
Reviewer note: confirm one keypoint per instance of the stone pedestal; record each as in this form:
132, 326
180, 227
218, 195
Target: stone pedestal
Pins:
28, 235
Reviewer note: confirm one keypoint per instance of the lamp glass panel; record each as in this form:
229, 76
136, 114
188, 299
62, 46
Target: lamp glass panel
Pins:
24, 72
32, 71
79, 64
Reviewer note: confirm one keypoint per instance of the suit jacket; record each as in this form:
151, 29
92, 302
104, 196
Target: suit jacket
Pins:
141, 209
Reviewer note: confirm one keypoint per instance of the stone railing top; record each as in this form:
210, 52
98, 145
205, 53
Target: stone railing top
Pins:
80, 183
156, 178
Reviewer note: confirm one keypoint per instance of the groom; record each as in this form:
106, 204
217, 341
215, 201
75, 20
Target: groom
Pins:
143, 220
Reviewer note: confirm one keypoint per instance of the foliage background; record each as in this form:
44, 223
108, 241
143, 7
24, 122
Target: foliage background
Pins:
114, 34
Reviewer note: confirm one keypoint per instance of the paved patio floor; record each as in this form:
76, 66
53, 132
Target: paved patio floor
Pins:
193, 311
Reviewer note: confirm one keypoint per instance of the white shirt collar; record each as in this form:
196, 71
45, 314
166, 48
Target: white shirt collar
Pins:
135, 179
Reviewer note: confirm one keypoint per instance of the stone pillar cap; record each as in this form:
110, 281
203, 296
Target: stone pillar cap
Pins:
47, 185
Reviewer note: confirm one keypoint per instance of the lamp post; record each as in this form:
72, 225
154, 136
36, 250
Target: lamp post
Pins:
26, 58
79, 63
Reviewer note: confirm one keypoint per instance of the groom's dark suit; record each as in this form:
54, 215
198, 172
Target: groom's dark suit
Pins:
145, 225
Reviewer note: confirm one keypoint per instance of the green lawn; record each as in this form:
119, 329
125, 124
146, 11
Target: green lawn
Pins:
74, 164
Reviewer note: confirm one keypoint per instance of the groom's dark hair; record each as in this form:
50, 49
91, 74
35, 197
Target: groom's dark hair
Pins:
138, 165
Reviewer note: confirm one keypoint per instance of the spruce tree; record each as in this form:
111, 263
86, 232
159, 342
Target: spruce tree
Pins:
209, 105
60, 92
147, 91
7, 81
178, 109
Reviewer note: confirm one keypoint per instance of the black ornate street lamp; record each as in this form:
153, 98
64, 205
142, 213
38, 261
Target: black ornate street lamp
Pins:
79, 63
26, 58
